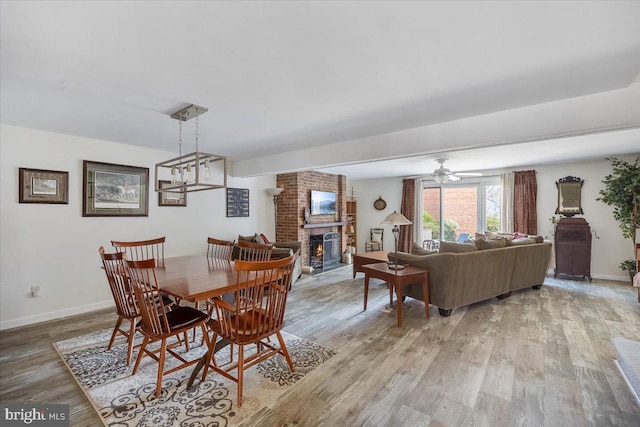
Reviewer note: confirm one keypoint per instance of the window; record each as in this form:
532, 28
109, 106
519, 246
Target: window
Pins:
468, 207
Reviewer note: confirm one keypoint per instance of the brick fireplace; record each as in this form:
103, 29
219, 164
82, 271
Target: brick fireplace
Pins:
297, 196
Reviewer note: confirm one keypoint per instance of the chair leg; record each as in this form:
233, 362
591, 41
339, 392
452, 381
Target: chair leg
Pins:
240, 373
115, 332
143, 347
163, 353
186, 339
130, 339
284, 350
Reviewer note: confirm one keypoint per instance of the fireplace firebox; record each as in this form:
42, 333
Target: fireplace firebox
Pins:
324, 250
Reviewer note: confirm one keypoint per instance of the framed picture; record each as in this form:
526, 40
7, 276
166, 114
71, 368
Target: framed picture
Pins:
237, 202
43, 186
114, 190
171, 199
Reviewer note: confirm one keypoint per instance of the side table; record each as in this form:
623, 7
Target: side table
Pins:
396, 280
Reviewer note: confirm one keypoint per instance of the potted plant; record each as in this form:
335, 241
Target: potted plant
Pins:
630, 266
622, 191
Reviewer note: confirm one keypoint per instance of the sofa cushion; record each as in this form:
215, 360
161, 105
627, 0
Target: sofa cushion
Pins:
457, 247
419, 250
251, 238
491, 244
521, 241
492, 235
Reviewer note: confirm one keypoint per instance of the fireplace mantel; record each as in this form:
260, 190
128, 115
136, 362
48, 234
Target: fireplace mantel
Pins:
325, 224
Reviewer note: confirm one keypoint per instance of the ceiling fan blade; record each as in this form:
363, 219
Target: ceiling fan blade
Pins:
454, 178
468, 173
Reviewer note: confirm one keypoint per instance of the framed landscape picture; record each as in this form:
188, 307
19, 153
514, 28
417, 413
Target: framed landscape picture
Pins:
43, 186
171, 199
114, 190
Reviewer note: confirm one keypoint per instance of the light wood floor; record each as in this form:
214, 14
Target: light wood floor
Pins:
538, 358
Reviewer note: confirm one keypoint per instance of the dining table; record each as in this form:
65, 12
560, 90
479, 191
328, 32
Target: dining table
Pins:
197, 278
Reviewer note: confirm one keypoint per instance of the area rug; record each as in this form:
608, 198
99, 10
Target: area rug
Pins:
122, 399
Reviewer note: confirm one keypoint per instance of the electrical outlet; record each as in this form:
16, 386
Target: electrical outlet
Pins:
35, 290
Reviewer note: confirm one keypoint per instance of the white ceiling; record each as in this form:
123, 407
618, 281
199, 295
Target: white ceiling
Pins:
283, 76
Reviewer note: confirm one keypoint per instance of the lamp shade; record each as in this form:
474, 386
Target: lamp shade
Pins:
396, 218
274, 191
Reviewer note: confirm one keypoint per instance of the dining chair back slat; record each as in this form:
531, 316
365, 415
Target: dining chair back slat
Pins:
219, 249
251, 251
142, 250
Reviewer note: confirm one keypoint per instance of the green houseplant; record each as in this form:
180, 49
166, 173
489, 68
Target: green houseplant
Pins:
622, 191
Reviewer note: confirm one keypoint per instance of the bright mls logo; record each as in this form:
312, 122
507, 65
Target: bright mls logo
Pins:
38, 414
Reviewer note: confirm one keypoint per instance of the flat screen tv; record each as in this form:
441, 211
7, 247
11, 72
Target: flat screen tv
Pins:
323, 202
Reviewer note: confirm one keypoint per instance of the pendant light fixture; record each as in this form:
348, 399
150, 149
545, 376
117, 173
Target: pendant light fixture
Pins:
192, 172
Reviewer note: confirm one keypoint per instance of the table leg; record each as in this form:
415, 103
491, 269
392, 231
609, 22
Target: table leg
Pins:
366, 289
218, 346
399, 304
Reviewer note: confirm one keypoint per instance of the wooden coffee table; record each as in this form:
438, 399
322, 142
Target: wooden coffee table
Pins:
359, 260
397, 279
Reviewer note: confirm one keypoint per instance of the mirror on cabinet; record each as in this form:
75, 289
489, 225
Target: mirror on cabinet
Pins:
569, 196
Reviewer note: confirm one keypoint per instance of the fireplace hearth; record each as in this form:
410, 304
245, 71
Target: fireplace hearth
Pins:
324, 250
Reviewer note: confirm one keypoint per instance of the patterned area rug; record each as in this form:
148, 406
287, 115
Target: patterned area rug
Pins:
123, 399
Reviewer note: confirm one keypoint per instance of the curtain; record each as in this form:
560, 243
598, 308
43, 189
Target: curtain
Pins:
417, 212
506, 210
407, 208
525, 192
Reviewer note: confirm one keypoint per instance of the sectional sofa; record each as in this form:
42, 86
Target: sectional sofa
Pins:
462, 278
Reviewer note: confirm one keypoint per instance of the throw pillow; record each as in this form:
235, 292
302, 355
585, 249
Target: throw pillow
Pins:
457, 247
491, 244
376, 237
521, 241
258, 239
266, 241
418, 250
247, 238
480, 236
492, 235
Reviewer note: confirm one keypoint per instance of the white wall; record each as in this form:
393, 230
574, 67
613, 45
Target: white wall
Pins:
607, 251
54, 247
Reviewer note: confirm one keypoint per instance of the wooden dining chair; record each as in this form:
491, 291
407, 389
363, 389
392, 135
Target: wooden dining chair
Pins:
158, 325
143, 249
251, 251
124, 298
256, 314
219, 249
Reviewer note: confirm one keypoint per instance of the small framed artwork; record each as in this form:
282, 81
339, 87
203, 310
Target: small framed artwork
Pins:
114, 190
171, 199
43, 186
237, 202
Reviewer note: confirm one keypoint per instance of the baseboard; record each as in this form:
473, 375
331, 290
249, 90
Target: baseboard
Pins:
615, 277
53, 315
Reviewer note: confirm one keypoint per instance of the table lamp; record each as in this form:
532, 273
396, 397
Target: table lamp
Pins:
396, 220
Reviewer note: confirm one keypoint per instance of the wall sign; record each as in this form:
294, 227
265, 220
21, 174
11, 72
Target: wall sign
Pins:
237, 202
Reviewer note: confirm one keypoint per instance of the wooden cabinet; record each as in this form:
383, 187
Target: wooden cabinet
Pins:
352, 224
573, 248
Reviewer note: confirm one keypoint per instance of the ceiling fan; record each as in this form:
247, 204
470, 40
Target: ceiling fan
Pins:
442, 174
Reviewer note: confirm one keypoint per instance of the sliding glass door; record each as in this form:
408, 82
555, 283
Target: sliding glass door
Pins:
457, 211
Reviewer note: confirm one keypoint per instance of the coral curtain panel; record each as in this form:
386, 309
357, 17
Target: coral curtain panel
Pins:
525, 192
407, 208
